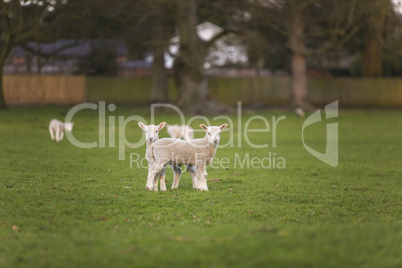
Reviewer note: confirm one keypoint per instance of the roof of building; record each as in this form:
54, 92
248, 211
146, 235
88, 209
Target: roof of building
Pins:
80, 48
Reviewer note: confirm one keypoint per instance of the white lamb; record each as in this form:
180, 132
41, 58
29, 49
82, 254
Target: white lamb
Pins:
177, 132
57, 128
196, 153
152, 135
299, 112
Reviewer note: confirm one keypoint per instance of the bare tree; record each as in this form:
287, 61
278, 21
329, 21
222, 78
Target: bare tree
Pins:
143, 24
159, 79
194, 95
159, 20
372, 56
312, 27
21, 21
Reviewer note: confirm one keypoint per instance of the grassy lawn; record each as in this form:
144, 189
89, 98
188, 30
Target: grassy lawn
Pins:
63, 206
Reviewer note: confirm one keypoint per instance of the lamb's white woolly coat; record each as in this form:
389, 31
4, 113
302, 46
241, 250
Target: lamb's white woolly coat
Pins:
179, 152
196, 154
57, 129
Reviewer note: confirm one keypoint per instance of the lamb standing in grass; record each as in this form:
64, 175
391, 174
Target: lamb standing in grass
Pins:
187, 133
57, 128
196, 153
152, 135
177, 132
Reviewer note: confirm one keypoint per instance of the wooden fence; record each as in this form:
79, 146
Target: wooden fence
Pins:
44, 90
351, 92
65, 90
383, 92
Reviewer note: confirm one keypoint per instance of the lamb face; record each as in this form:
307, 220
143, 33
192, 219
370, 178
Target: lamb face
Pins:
68, 126
213, 133
151, 131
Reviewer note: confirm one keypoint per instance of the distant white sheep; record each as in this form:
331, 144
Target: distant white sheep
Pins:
177, 132
299, 112
57, 128
152, 135
196, 154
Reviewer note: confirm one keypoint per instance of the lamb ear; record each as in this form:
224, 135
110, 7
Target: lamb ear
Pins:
161, 125
142, 125
204, 127
223, 126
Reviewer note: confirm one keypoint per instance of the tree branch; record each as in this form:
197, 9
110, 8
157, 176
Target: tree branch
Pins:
52, 54
324, 49
218, 36
7, 48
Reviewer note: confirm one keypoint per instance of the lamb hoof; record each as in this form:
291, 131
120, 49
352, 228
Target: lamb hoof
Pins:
202, 189
150, 188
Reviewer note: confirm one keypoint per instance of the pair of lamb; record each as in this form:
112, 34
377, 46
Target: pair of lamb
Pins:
195, 153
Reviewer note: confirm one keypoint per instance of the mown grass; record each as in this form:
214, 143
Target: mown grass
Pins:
63, 206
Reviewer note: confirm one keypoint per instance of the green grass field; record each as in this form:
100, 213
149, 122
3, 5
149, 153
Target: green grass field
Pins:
63, 206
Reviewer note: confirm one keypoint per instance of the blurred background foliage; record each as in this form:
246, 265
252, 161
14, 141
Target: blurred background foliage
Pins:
300, 38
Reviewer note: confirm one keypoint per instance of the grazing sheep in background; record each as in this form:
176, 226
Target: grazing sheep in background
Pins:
196, 153
177, 132
299, 112
152, 135
57, 128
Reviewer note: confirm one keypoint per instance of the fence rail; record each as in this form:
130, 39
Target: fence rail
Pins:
44, 90
65, 90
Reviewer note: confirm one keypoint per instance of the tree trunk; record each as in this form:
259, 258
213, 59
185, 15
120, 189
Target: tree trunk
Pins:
299, 81
38, 60
373, 50
6, 48
299, 70
159, 86
194, 96
28, 60
3, 104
